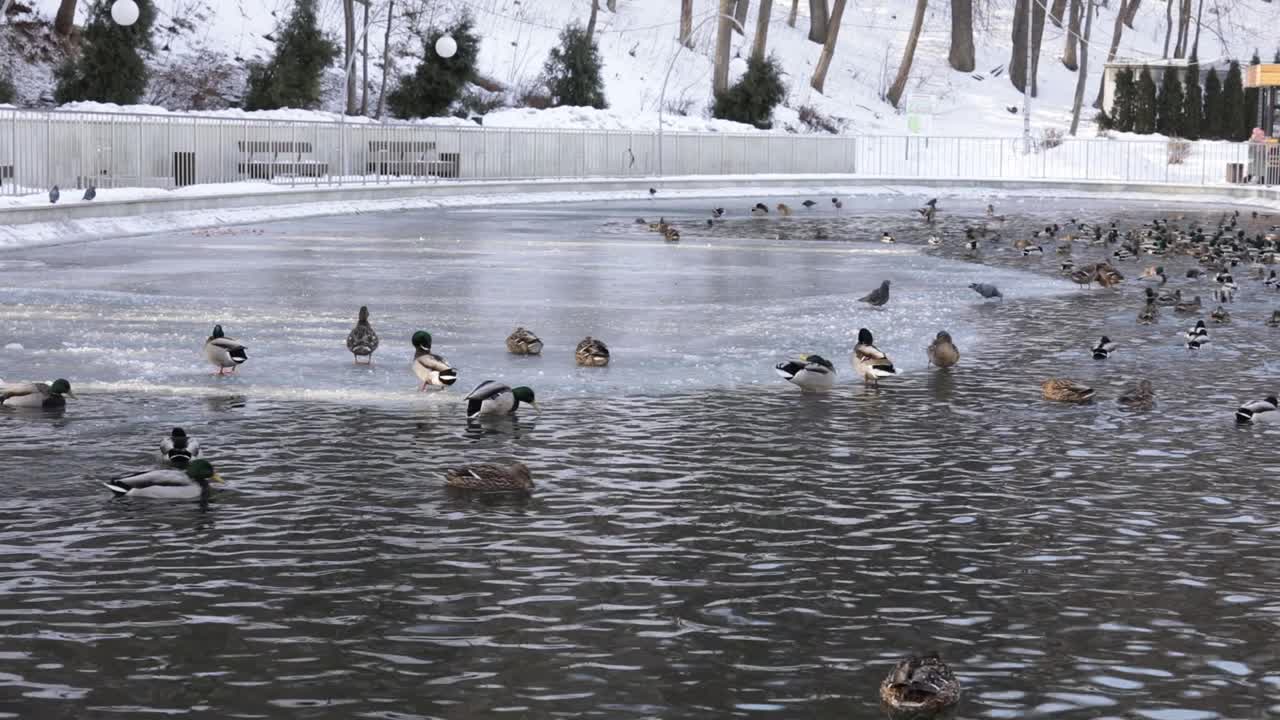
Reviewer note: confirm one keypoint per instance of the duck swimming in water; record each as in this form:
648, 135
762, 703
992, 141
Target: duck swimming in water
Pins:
50, 396
1258, 410
811, 373
191, 483
1139, 396
179, 449
1063, 390
490, 477
919, 687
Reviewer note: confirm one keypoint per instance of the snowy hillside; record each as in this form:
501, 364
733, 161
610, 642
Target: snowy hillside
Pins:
639, 43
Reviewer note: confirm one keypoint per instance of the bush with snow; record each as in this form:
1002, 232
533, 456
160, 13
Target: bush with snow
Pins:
109, 66
292, 77
752, 99
438, 82
573, 70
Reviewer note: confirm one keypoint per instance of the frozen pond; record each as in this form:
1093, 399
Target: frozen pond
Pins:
705, 541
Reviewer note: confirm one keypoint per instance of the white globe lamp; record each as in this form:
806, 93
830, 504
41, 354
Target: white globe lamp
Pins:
446, 46
124, 12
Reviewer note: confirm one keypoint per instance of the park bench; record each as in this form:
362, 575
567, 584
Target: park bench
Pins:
410, 157
286, 159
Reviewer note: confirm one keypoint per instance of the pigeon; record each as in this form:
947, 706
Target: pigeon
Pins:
986, 290
90, 193
877, 297
54, 194
808, 203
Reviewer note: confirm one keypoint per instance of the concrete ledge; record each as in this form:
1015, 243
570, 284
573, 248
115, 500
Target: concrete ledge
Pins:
77, 221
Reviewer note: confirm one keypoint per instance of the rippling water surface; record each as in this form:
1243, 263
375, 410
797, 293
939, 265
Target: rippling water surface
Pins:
704, 540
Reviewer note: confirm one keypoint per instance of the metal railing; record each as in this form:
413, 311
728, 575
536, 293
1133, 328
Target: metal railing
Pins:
73, 149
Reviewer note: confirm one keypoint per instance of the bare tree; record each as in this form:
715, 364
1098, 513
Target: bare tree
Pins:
349, 27
1056, 12
1018, 56
64, 20
1184, 28
795, 8
908, 54
961, 55
1195, 46
1037, 36
386, 57
686, 23
1073, 29
1168, 28
740, 15
724, 34
591, 21
612, 5
829, 48
364, 63
762, 29
1083, 75
1131, 12
1115, 46
818, 21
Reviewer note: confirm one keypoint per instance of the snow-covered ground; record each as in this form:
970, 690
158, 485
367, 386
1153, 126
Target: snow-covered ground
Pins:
639, 45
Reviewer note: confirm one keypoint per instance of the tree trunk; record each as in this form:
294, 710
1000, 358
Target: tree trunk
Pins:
349, 26
1056, 11
1037, 37
961, 56
1115, 46
591, 21
829, 48
724, 34
1195, 46
386, 57
909, 53
1018, 56
64, 20
612, 5
1131, 12
740, 15
1083, 75
759, 47
1184, 25
686, 23
1073, 30
795, 9
818, 21
1168, 26
364, 62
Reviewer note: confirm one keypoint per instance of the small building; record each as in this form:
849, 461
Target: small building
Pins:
1158, 69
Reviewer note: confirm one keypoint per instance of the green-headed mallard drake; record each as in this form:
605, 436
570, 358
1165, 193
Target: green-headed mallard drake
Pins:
494, 398
1062, 390
362, 341
1197, 337
47, 396
1150, 314
179, 449
1220, 316
1138, 397
869, 361
942, 351
1274, 320
1188, 307
191, 483
1259, 410
591, 353
224, 352
490, 477
523, 342
1103, 348
430, 368
811, 373
671, 234
919, 687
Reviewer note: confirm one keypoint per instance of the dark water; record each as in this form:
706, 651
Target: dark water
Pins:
719, 546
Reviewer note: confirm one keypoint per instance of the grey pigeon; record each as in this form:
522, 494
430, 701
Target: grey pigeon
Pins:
54, 194
985, 290
877, 297
90, 193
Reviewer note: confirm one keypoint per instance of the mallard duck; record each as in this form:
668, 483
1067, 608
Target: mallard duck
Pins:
811, 373
1063, 390
1138, 397
224, 352
1220, 316
178, 449
877, 297
869, 361
808, 203
1258, 410
1197, 337
1169, 299
671, 234
494, 398
1150, 314
934, 240
1032, 250
1108, 277
919, 687
362, 341
490, 477
1188, 307
760, 210
1274, 320
1082, 277
430, 368
887, 238
189, 484
523, 342
591, 353
1103, 349
1155, 272
717, 212
784, 210
1271, 280
47, 396
942, 352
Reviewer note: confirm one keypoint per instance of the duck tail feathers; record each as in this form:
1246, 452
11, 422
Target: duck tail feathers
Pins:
1244, 415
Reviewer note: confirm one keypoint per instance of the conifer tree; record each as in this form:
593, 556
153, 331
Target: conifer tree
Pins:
1169, 104
1144, 106
437, 82
1233, 121
1122, 105
573, 70
1192, 108
291, 78
109, 66
1211, 127
752, 99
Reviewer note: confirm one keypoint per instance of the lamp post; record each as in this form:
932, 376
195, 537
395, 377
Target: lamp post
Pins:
662, 97
124, 12
1026, 83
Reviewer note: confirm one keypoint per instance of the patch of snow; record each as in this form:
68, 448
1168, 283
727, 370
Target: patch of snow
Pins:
15, 347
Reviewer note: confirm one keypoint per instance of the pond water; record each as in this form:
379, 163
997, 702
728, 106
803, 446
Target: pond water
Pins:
704, 540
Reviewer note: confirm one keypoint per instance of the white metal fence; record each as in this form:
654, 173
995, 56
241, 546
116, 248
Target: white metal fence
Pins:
41, 148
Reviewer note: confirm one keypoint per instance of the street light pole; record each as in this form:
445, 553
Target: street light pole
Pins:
662, 97
1026, 83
